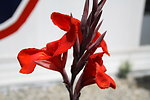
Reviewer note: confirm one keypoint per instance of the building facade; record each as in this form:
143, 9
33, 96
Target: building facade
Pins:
128, 31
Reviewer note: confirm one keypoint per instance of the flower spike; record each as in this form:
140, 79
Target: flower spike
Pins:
84, 38
84, 17
95, 5
97, 42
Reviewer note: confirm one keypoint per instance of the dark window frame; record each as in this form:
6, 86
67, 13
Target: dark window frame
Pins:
147, 8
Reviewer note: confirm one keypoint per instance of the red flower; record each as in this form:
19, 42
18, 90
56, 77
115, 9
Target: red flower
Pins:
102, 44
85, 39
69, 24
94, 72
72, 26
28, 58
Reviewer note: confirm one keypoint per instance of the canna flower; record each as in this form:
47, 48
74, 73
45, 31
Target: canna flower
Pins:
94, 72
63, 22
69, 24
29, 58
84, 37
49, 56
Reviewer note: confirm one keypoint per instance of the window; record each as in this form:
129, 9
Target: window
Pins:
145, 34
147, 8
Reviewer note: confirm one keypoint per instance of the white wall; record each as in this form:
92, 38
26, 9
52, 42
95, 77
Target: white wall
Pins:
122, 20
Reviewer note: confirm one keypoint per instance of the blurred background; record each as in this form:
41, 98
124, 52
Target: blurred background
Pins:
128, 37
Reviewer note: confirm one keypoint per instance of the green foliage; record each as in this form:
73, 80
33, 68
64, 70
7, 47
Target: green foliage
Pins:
124, 69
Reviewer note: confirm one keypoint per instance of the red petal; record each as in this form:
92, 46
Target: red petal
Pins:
88, 76
67, 41
112, 82
97, 57
27, 57
103, 80
55, 63
69, 24
44, 63
102, 44
49, 65
103, 68
52, 47
61, 20
88, 81
104, 47
90, 69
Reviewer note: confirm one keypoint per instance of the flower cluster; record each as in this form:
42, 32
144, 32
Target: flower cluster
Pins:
84, 38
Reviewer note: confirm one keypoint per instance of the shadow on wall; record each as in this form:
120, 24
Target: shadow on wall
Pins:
143, 82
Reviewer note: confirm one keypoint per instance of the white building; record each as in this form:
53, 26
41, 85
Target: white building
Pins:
128, 33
